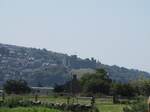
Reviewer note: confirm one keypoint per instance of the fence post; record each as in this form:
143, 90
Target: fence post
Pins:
115, 98
68, 101
35, 98
92, 101
3, 97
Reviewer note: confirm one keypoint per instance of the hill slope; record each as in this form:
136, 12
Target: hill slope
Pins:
123, 74
47, 67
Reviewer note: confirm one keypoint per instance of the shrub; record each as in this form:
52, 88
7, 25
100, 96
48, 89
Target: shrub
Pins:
16, 101
81, 108
16, 87
13, 101
140, 106
127, 101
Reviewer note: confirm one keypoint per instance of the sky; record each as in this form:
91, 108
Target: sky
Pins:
115, 32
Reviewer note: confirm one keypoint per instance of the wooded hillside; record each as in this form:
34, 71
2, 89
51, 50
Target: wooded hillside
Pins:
48, 68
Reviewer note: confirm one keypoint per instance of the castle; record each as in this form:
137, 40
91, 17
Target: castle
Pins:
76, 63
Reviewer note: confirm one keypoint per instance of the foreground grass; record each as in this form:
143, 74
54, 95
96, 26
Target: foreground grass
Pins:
29, 109
111, 108
102, 108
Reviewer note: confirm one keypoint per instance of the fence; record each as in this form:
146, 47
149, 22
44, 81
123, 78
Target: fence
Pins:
86, 100
56, 98
104, 100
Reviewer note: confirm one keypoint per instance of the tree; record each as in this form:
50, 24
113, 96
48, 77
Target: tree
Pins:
123, 89
96, 82
141, 85
58, 88
39, 84
126, 90
16, 87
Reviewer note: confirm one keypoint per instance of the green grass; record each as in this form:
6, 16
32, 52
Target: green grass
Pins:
106, 105
29, 109
111, 108
43, 98
103, 104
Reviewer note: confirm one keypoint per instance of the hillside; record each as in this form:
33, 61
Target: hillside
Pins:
47, 67
122, 74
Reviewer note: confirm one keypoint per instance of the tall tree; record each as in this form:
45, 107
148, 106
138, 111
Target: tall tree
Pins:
96, 82
16, 87
58, 88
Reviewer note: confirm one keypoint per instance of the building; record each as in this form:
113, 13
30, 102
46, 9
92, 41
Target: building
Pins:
41, 90
75, 63
72, 86
2, 92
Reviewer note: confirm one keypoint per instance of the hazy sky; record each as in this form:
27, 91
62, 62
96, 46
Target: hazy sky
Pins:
112, 31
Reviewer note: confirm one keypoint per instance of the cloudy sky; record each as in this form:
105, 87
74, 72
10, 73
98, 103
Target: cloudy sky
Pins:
115, 32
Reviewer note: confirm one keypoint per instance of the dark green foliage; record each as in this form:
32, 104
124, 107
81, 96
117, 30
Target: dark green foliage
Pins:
122, 74
49, 76
16, 87
97, 82
81, 108
141, 106
16, 101
58, 88
141, 85
123, 89
127, 101
13, 102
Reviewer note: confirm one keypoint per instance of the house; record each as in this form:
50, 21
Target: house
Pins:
41, 90
72, 86
2, 92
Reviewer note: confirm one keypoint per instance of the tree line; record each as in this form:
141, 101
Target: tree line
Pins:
94, 83
100, 83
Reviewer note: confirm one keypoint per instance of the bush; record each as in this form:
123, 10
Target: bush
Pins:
127, 101
16, 87
13, 102
81, 108
16, 101
140, 106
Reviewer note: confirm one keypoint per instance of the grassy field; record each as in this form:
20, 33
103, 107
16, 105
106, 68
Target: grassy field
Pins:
111, 108
106, 105
29, 109
103, 104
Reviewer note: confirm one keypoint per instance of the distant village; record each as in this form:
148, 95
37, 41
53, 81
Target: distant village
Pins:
50, 67
13, 58
16, 62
